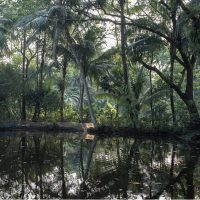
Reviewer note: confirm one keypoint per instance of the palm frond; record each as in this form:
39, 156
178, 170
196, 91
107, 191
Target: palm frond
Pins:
61, 50
24, 21
59, 12
144, 22
38, 22
154, 96
145, 43
108, 54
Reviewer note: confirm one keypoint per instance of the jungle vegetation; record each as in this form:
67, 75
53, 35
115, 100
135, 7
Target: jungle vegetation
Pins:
110, 62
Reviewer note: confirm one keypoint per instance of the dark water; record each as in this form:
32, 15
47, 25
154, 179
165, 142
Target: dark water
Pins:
62, 166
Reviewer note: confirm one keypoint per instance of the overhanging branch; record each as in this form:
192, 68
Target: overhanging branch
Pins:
164, 78
187, 10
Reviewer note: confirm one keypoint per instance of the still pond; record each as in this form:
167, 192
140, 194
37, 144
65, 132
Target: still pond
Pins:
62, 166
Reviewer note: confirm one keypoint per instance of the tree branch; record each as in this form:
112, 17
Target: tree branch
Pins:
179, 60
130, 22
165, 5
186, 62
163, 77
187, 10
182, 78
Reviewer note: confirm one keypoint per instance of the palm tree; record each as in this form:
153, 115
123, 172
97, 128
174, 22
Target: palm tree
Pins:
183, 54
25, 24
63, 51
4, 24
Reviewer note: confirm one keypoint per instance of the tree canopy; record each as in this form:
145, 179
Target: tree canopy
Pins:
111, 62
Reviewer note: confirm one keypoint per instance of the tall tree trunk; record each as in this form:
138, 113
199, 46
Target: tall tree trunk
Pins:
36, 115
151, 102
172, 54
151, 92
23, 114
189, 98
193, 112
64, 70
92, 115
83, 78
123, 43
171, 89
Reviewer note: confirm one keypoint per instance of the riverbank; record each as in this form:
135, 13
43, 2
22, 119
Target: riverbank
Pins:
41, 126
104, 131
181, 134
185, 135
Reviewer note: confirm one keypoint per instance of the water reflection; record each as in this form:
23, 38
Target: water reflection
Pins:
66, 166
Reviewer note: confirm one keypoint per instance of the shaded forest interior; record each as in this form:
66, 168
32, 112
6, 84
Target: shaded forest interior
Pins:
109, 62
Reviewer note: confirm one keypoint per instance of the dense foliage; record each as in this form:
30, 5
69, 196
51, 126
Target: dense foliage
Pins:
112, 62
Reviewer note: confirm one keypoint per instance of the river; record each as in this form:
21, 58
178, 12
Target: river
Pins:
63, 166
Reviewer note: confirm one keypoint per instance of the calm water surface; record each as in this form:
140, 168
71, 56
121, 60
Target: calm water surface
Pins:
61, 165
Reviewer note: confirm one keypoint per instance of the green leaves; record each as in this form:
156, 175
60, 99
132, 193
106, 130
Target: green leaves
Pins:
146, 23
10, 85
2, 40
145, 43
59, 12
38, 22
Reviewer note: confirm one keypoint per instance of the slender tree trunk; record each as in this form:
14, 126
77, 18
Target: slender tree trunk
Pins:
63, 87
123, 43
23, 114
92, 115
62, 106
83, 79
171, 89
117, 112
151, 102
37, 64
36, 115
81, 101
172, 54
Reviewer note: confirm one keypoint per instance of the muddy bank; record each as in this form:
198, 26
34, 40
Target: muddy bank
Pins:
42, 126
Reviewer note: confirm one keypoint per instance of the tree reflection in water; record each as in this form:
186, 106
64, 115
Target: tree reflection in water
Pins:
65, 166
